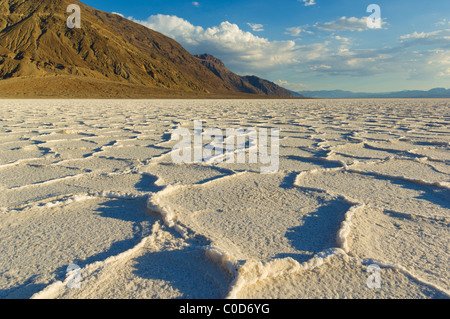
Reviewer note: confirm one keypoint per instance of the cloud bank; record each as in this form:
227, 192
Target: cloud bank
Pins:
227, 41
328, 55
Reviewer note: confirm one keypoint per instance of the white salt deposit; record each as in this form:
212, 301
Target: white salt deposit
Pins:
92, 183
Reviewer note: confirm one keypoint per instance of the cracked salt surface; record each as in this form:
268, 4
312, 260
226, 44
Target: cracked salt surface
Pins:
92, 183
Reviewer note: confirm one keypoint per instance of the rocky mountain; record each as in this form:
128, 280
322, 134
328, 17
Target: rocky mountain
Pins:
109, 56
244, 84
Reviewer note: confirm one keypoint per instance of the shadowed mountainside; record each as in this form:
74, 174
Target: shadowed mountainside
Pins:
245, 84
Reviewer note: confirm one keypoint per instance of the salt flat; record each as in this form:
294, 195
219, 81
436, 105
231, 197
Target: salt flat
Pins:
92, 183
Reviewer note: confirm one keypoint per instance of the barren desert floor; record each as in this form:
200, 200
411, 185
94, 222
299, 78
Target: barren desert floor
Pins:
91, 186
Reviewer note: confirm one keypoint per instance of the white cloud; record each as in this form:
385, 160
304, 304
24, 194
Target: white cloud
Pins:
341, 24
342, 39
345, 61
440, 38
440, 61
292, 86
416, 35
320, 67
256, 27
344, 24
196, 4
295, 31
426, 64
308, 2
237, 48
443, 22
439, 34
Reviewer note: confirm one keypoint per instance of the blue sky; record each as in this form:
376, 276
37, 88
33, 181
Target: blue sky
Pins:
310, 44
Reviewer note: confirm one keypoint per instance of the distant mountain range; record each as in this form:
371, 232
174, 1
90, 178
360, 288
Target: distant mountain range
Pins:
339, 94
108, 57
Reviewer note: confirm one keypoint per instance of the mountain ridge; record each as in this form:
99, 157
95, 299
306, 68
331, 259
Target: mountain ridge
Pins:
246, 84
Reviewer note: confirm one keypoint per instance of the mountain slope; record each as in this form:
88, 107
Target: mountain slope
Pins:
244, 84
232, 80
114, 54
35, 41
267, 87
